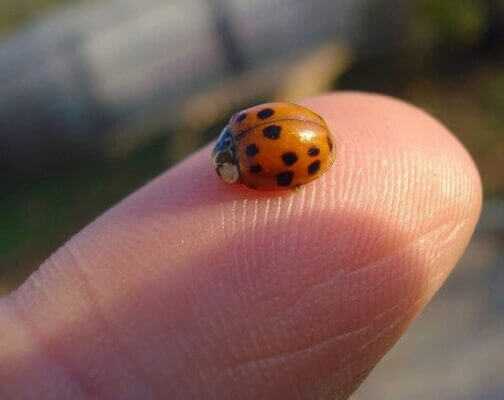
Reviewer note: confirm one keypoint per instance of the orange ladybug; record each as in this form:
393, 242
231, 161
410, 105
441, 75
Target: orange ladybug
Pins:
273, 146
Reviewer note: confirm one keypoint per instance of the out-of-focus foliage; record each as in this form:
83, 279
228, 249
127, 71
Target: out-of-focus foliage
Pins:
41, 215
14, 12
461, 21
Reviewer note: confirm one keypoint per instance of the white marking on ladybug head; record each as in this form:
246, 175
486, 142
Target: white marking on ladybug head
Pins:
229, 172
224, 158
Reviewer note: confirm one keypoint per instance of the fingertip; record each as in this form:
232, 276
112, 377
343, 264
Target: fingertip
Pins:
349, 260
241, 292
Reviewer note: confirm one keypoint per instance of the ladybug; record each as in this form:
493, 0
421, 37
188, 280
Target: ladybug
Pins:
273, 146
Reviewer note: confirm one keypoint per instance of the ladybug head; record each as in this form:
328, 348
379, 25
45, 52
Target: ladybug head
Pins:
224, 158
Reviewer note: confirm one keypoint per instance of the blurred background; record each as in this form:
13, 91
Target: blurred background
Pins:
96, 98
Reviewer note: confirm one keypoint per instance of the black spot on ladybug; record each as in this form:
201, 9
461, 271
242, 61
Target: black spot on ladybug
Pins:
284, 178
272, 132
266, 113
314, 167
313, 151
251, 150
241, 117
289, 158
255, 169
329, 142
252, 186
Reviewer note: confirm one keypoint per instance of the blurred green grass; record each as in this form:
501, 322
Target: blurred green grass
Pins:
36, 217
14, 13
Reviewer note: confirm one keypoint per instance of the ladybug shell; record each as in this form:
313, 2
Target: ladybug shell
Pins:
280, 146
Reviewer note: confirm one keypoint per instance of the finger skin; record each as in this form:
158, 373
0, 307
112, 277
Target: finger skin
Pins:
194, 289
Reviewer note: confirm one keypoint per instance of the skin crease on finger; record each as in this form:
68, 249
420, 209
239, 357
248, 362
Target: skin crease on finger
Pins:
191, 288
